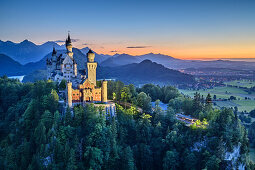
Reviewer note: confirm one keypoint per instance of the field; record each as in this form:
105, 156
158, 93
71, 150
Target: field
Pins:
241, 83
252, 154
247, 105
225, 93
221, 92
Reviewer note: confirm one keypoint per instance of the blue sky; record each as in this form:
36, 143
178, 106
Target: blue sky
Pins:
181, 28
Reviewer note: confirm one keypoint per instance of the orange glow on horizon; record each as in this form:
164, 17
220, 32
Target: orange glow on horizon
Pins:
179, 51
192, 54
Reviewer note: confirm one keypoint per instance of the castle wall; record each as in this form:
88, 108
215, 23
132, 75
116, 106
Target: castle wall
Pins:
76, 95
97, 94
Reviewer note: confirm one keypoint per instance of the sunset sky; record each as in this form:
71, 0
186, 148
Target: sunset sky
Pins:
188, 29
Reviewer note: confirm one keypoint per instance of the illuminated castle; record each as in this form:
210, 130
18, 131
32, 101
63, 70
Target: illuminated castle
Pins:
87, 91
79, 88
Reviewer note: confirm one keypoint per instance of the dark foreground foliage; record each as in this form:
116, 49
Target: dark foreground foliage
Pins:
35, 135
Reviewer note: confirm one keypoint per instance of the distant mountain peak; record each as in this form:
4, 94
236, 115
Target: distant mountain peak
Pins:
85, 48
26, 42
146, 61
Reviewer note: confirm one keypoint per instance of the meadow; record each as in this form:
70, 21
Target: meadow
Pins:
241, 83
225, 93
252, 154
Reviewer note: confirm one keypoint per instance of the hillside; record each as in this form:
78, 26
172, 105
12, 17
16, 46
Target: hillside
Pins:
9, 66
145, 72
121, 59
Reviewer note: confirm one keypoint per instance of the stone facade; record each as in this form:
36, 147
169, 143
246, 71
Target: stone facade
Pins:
62, 66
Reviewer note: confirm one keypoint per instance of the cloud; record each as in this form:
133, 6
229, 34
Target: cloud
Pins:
59, 41
75, 40
138, 47
87, 44
114, 51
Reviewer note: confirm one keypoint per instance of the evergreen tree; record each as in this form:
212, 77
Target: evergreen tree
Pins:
128, 159
171, 160
68, 117
71, 165
40, 134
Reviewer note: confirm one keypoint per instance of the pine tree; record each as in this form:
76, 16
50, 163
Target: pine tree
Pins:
71, 165
47, 119
68, 117
40, 134
208, 100
128, 162
170, 160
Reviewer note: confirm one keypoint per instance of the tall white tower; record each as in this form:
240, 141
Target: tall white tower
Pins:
91, 67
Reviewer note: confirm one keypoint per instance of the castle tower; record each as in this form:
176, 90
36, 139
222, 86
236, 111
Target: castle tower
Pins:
54, 59
104, 91
69, 46
69, 94
91, 67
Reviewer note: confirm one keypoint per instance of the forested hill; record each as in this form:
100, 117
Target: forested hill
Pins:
35, 134
145, 72
9, 66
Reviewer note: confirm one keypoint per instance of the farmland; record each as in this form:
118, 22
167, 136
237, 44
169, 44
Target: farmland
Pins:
241, 83
252, 154
224, 93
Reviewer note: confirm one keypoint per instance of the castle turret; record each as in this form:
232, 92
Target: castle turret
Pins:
91, 67
91, 56
69, 94
104, 91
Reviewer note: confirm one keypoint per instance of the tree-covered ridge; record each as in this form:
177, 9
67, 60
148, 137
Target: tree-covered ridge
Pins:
36, 135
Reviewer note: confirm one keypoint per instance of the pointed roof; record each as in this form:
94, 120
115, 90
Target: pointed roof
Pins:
54, 52
68, 60
68, 40
90, 51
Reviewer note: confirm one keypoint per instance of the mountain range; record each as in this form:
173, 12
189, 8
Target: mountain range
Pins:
178, 64
145, 72
26, 57
26, 52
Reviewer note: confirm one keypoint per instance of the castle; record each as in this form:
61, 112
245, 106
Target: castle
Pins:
62, 66
79, 88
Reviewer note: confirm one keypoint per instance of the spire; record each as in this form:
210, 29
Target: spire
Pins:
68, 40
90, 51
54, 52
